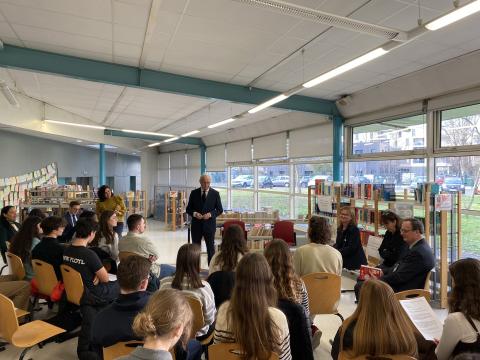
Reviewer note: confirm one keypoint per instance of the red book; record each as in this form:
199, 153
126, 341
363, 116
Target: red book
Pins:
369, 272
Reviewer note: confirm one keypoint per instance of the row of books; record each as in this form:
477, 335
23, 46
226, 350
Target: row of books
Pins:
386, 192
422, 188
250, 216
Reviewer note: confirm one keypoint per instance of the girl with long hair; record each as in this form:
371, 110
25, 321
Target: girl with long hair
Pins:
107, 200
348, 240
462, 325
250, 317
166, 319
232, 248
105, 243
393, 248
187, 278
23, 242
379, 326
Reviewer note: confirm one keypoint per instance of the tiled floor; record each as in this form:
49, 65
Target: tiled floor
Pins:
168, 244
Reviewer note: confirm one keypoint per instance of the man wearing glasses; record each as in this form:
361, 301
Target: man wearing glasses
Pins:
412, 270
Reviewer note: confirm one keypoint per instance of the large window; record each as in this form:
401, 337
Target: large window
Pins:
242, 177
219, 178
242, 183
460, 126
242, 200
274, 201
305, 175
402, 134
274, 177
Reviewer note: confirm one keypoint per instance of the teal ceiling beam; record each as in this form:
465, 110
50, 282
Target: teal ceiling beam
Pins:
182, 140
99, 71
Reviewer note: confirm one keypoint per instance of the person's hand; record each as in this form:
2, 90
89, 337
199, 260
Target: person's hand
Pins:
207, 216
95, 280
197, 216
436, 341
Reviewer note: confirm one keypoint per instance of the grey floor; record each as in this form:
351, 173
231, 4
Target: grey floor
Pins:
168, 243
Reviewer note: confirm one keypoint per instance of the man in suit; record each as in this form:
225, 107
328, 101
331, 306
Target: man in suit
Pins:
204, 205
412, 270
71, 217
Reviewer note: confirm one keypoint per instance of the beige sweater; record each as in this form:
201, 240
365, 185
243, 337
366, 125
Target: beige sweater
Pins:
313, 258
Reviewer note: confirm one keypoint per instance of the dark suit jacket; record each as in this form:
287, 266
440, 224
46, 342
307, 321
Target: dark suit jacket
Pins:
412, 270
6, 232
350, 246
50, 251
69, 229
212, 205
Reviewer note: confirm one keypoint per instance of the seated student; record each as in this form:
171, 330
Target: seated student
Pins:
16, 290
114, 323
166, 319
379, 326
232, 248
318, 255
98, 290
292, 294
462, 325
37, 212
87, 214
8, 227
393, 247
49, 249
23, 242
136, 242
251, 318
105, 243
71, 217
187, 278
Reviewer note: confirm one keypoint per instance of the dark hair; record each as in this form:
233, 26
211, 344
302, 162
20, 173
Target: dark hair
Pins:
132, 271
87, 214
74, 203
84, 227
417, 225
390, 216
133, 221
38, 213
188, 265
467, 356
466, 287
6, 209
21, 243
233, 243
319, 230
52, 223
104, 229
101, 192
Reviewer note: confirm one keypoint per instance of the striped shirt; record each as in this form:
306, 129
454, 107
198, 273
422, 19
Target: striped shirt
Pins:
204, 294
304, 297
223, 334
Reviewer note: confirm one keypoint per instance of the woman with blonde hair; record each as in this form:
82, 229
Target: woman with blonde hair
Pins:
348, 240
166, 319
379, 326
250, 317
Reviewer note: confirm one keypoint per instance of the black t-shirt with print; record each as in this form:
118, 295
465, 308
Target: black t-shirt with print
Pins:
83, 260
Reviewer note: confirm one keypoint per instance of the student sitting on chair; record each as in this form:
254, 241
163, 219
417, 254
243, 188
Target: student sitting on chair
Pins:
8, 228
166, 319
105, 243
16, 290
114, 323
232, 248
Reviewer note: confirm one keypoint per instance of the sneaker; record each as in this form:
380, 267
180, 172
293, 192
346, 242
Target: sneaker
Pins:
316, 339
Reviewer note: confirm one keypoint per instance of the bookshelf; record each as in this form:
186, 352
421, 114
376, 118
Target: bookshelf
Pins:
175, 207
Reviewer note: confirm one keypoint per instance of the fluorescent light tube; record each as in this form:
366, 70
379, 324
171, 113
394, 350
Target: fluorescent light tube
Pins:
171, 139
147, 133
346, 67
454, 16
190, 133
268, 103
73, 124
221, 123
9, 94
154, 144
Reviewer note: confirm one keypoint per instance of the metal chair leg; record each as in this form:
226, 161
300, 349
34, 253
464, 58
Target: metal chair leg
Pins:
24, 352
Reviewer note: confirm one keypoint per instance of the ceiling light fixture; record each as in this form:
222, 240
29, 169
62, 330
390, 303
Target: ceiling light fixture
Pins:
221, 123
346, 67
454, 16
147, 133
8, 94
78, 125
154, 144
268, 103
171, 139
190, 133
79, 141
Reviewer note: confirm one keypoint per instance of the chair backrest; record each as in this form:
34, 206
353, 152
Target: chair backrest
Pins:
413, 293
8, 322
45, 276
240, 223
120, 349
284, 230
122, 255
427, 281
229, 351
197, 309
73, 284
324, 290
222, 284
15, 265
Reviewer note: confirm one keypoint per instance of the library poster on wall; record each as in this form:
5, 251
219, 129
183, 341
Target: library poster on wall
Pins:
404, 210
443, 202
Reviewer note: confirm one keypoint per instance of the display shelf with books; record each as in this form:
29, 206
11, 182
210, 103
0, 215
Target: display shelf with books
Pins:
135, 202
175, 205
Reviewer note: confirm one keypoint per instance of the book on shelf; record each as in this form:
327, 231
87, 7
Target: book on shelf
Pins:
369, 272
365, 215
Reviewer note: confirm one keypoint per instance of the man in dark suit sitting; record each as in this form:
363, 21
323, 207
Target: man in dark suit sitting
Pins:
412, 270
204, 205
71, 217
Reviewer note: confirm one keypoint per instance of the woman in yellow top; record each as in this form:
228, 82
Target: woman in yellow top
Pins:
108, 201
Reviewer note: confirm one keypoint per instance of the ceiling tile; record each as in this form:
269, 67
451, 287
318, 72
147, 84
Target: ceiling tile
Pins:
133, 13
128, 34
6, 31
407, 19
377, 10
173, 6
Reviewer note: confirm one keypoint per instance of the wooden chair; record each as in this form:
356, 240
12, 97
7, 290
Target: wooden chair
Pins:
122, 255
413, 293
229, 351
73, 284
284, 230
240, 223
198, 319
124, 348
427, 281
16, 266
324, 290
26, 335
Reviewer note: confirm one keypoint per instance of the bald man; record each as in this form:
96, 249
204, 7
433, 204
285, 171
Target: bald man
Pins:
204, 205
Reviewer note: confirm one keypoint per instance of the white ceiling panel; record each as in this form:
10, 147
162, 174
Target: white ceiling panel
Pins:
375, 10
131, 13
128, 34
407, 19
6, 30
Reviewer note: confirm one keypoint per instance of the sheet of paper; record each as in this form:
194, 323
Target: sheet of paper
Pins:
112, 277
423, 317
373, 245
